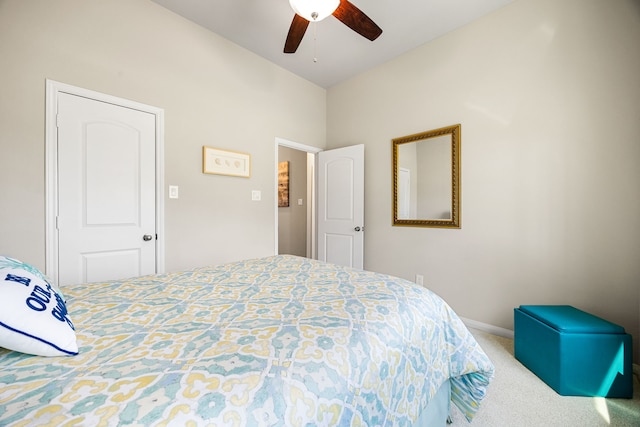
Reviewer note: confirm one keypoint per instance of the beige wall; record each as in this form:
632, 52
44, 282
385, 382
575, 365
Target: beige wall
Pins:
546, 92
212, 91
548, 97
292, 220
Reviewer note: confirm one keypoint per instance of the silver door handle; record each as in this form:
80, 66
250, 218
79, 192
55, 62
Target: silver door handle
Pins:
147, 237
359, 228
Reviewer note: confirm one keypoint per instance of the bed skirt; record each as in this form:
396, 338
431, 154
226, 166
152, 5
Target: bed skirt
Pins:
437, 411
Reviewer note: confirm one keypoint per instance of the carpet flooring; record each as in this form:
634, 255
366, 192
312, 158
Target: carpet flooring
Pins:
518, 398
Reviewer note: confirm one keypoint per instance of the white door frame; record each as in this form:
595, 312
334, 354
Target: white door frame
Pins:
311, 193
54, 88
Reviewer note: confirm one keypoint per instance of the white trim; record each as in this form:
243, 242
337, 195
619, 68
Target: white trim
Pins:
311, 206
53, 89
51, 184
311, 211
485, 327
297, 146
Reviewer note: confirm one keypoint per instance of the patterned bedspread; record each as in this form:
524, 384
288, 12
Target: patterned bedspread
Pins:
277, 341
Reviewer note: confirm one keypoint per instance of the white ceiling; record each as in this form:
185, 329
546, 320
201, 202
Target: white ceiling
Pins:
261, 26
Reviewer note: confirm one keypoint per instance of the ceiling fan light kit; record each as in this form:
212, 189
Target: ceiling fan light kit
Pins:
314, 10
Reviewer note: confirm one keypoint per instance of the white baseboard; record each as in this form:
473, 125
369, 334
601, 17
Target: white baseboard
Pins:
490, 329
508, 333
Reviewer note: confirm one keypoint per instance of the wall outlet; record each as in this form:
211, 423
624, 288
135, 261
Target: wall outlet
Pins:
256, 195
419, 279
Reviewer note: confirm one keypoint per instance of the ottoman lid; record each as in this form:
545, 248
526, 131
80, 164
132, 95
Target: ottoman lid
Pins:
568, 319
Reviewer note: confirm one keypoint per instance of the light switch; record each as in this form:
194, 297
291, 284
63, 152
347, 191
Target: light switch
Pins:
300, 202
256, 195
173, 191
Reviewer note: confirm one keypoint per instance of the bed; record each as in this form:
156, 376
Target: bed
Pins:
275, 341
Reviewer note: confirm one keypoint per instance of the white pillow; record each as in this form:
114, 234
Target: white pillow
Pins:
6, 262
33, 314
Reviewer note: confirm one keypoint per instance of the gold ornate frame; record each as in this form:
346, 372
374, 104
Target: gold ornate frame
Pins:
454, 222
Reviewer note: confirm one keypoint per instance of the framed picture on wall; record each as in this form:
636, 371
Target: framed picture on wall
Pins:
225, 162
283, 184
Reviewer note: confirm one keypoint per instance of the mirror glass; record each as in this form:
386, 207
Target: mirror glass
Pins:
426, 176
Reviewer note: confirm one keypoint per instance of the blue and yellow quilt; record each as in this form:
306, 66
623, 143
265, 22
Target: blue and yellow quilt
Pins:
277, 341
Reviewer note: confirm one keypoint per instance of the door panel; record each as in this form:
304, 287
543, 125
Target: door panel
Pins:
339, 249
100, 266
339, 173
106, 195
341, 206
112, 173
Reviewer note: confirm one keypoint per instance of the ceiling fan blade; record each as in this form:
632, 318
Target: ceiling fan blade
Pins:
356, 19
296, 33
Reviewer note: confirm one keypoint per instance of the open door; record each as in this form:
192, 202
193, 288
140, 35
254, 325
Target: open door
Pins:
341, 206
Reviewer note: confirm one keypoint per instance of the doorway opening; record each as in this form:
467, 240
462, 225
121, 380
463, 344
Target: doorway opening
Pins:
295, 205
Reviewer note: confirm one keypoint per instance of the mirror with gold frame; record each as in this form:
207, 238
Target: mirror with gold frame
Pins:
426, 178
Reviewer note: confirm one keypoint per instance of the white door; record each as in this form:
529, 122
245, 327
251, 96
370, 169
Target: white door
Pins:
106, 220
404, 193
341, 206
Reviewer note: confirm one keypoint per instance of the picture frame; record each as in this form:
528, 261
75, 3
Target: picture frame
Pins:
225, 162
283, 184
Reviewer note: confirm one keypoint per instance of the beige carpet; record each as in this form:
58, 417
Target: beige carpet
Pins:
518, 398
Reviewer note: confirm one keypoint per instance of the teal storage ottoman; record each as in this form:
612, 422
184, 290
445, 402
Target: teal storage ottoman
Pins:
574, 352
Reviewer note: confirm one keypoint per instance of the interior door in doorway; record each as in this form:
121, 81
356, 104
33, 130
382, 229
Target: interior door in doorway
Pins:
106, 219
341, 206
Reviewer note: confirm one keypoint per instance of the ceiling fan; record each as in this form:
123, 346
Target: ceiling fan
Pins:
316, 10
